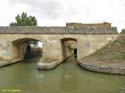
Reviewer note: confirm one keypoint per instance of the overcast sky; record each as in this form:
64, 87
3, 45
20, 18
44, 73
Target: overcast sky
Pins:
58, 12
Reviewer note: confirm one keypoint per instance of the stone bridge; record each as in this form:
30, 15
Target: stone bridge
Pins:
58, 42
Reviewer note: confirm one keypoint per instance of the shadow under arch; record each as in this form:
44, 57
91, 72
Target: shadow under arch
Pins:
23, 40
68, 38
69, 47
26, 47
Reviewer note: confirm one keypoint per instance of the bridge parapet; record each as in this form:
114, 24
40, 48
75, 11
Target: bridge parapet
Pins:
57, 30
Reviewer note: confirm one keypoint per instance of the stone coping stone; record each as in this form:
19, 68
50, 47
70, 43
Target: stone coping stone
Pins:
104, 68
6, 63
47, 66
57, 30
3, 64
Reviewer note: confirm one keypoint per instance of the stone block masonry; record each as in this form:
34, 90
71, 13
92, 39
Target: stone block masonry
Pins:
88, 40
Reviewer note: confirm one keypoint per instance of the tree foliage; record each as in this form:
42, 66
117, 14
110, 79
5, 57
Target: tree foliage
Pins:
24, 20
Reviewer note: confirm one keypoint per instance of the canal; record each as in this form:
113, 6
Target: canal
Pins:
66, 78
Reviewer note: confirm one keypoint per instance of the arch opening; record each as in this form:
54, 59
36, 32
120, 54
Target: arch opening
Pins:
26, 48
69, 47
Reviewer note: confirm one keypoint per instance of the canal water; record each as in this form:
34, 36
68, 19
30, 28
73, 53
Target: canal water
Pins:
66, 78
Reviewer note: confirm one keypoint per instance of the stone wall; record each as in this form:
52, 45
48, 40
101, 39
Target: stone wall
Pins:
105, 24
68, 46
88, 39
58, 30
52, 47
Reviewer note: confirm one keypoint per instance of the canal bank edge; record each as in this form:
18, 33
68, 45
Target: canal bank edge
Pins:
47, 66
7, 63
51, 64
103, 68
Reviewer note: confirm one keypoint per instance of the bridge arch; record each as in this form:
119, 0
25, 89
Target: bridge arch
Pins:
69, 47
23, 47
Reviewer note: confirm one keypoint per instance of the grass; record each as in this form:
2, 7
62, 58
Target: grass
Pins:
112, 52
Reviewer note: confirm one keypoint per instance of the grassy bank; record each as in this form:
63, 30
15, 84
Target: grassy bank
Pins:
112, 52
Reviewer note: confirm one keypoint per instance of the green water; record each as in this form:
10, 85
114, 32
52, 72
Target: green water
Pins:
66, 78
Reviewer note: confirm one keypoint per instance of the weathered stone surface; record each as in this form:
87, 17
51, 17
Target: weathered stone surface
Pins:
5, 62
52, 48
57, 30
105, 68
47, 66
88, 40
105, 24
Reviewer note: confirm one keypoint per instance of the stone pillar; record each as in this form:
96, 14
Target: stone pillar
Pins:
52, 50
5, 50
52, 54
10, 52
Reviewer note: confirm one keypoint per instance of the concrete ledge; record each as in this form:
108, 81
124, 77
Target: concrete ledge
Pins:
105, 68
6, 63
57, 30
50, 64
47, 66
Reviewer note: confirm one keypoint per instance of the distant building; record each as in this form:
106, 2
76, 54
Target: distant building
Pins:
105, 24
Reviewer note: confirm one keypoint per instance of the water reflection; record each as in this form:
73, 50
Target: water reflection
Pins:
66, 78
69, 76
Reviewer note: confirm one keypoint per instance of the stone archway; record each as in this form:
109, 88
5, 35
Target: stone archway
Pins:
22, 48
69, 47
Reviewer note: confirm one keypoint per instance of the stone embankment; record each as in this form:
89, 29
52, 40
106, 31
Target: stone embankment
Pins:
105, 68
48, 65
4, 63
109, 59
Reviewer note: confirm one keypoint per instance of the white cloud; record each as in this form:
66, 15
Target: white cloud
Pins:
58, 12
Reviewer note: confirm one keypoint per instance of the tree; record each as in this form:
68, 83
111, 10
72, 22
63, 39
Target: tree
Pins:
24, 20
